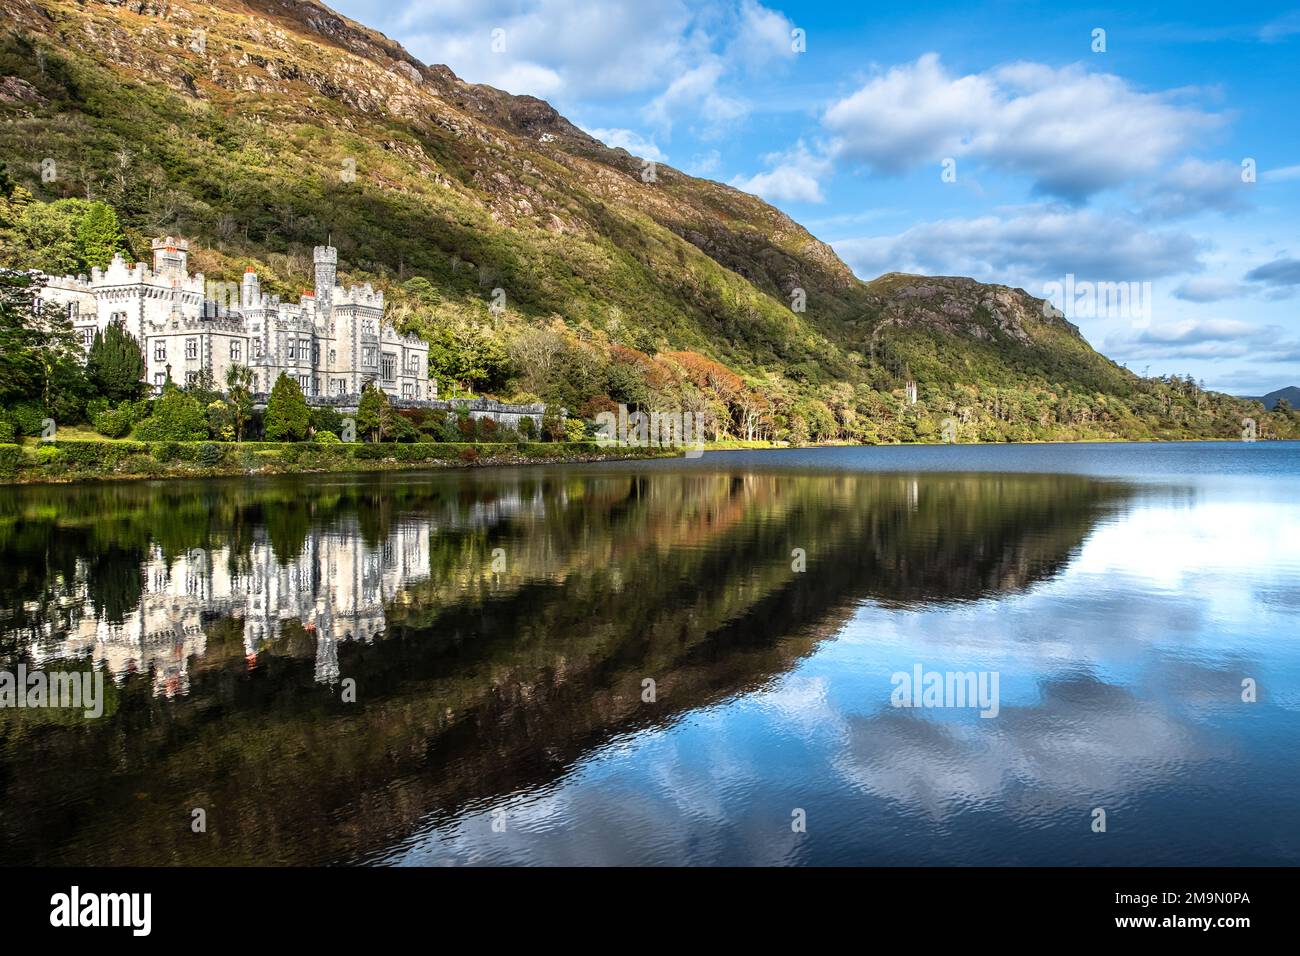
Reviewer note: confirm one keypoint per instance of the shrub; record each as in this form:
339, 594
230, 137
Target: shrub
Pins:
8, 434
371, 452
167, 451
327, 438
11, 457
401, 429
211, 454
113, 423
326, 419
28, 418
575, 430
49, 455
176, 417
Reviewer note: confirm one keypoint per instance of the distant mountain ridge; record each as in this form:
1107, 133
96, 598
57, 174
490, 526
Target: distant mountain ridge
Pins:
239, 122
1291, 393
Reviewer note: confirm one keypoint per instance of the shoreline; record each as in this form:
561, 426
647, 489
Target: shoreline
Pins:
69, 461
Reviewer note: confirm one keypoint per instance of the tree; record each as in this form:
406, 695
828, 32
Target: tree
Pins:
287, 415
115, 364
239, 393
176, 416
99, 236
39, 349
374, 414
552, 424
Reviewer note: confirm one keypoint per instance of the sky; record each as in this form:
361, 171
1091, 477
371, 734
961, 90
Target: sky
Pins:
1156, 150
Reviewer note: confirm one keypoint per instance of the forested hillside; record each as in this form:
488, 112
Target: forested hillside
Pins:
536, 261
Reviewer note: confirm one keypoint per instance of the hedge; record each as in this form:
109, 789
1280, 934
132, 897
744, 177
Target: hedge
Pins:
88, 458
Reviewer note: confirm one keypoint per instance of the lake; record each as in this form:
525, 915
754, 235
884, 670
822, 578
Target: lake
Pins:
1039, 654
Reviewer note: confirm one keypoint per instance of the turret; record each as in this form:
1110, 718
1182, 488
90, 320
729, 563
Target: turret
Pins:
326, 259
170, 256
250, 294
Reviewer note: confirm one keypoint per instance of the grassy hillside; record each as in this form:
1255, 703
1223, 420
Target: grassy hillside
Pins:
260, 129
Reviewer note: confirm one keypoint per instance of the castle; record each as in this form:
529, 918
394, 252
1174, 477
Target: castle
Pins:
333, 342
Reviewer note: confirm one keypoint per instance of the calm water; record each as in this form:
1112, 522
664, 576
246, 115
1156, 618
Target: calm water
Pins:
501, 628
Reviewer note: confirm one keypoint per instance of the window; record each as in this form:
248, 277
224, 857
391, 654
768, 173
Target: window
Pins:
117, 317
191, 378
37, 304
334, 357
291, 345
236, 350
160, 350
159, 379
339, 386
367, 326
368, 356
408, 390
413, 363
315, 353
257, 347
191, 348
87, 337
304, 382
390, 366
74, 310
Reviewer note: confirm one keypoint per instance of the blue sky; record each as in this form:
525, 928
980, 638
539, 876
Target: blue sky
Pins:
989, 140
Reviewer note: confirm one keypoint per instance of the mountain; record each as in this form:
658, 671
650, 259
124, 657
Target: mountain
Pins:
1290, 394
534, 258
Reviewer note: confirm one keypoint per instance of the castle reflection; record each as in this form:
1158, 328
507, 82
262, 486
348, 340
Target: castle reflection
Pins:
335, 588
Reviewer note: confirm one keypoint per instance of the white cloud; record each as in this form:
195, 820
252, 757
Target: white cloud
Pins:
1204, 339
696, 94
1195, 186
705, 164
1209, 289
630, 140
1284, 174
761, 37
795, 176
1029, 243
1074, 132
550, 46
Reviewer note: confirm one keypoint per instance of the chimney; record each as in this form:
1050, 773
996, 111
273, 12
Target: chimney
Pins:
327, 260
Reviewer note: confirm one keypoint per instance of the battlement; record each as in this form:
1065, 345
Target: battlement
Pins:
363, 295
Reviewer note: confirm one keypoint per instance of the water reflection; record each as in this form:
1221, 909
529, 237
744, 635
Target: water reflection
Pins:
500, 627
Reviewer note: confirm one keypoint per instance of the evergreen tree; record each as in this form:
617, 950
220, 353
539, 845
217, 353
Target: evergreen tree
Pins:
287, 415
39, 351
374, 414
98, 235
115, 364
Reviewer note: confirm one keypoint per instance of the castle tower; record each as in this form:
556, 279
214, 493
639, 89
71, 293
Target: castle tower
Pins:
326, 259
251, 291
170, 256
